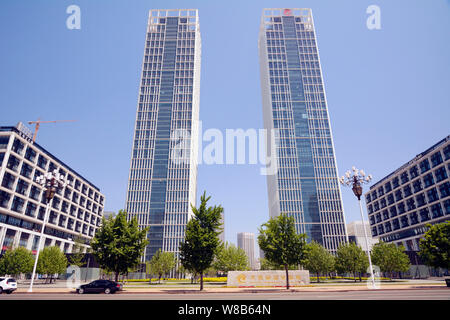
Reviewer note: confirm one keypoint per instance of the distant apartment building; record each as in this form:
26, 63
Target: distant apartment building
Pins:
417, 193
76, 210
356, 234
246, 241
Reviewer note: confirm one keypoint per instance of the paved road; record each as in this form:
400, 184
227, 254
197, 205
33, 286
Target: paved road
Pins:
392, 294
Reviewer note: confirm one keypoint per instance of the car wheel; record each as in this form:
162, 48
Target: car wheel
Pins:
80, 291
107, 290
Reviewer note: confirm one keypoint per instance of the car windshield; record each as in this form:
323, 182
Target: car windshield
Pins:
11, 280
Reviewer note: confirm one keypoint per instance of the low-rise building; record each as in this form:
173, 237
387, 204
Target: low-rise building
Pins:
75, 211
418, 193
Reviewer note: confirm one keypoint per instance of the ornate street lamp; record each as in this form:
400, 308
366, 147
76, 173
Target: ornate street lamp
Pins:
51, 181
356, 179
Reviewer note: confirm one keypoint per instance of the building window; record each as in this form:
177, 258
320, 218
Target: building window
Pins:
436, 159
414, 218
395, 182
17, 146
380, 191
444, 189
26, 170
432, 195
401, 208
388, 187
440, 174
31, 209
376, 206
410, 204
404, 177
13, 163
407, 191
383, 202
417, 185
22, 187
413, 172
398, 195
380, 229
447, 206
4, 199
374, 231
378, 217
374, 195
436, 211
424, 166
404, 221
387, 227
393, 211
4, 140
428, 180
390, 199
396, 224
17, 204
42, 162
385, 215
367, 198
8, 180
420, 200
446, 151
424, 214
30, 155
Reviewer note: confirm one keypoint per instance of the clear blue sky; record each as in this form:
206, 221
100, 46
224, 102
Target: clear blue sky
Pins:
387, 90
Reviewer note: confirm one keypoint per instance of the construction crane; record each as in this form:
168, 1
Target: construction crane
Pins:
38, 123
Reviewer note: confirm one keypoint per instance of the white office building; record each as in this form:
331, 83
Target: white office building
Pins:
75, 211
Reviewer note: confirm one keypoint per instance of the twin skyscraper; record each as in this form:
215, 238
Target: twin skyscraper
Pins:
305, 185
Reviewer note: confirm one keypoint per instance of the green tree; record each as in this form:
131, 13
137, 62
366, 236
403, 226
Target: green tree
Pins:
351, 258
51, 261
317, 259
77, 255
201, 238
231, 258
161, 263
16, 261
390, 258
281, 244
435, 246
118, 244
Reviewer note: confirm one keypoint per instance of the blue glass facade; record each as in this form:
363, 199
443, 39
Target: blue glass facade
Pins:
161, 189
305, 186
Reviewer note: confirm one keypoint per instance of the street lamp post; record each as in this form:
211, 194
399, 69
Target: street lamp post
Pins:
356, 179
51, 182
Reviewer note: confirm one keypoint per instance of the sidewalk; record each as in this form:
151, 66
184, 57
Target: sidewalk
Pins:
60, 287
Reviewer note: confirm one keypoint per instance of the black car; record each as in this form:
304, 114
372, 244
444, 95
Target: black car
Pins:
98, 286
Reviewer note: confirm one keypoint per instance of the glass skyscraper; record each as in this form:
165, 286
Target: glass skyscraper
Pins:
306, 183
163, 171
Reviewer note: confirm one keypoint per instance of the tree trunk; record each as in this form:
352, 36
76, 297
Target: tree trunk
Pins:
286, 268
201, 281
318, 280
117, 277
354, 276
